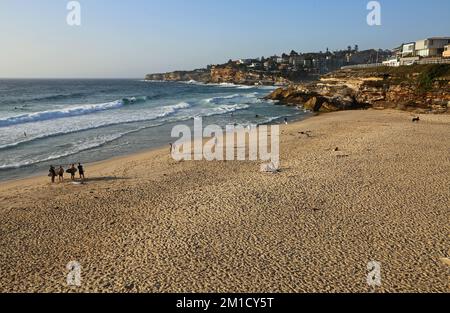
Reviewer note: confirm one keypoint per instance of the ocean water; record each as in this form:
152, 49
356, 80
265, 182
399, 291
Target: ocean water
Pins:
59, 122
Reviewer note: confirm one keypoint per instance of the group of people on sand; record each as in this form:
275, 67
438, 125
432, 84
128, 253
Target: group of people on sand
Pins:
72, 170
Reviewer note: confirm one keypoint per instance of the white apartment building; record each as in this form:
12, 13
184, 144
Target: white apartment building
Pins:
408, 50
446, 53
431, 47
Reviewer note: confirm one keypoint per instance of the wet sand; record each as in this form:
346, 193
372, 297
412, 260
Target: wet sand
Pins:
146, 223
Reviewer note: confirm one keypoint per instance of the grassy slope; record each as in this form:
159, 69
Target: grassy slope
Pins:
423, 75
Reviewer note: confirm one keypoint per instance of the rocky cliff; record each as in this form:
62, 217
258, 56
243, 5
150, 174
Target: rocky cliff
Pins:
197, 75
227, 74
244, 77
418, 88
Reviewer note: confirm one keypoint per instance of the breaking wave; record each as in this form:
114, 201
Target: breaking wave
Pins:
76, 147
162, 112
55, 114
69, 111
246, 98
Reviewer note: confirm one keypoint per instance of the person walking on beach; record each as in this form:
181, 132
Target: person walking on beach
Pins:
61, 174
52, 173
81, 171
72, 170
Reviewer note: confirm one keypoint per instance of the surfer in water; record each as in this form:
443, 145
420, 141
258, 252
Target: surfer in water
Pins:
81, 171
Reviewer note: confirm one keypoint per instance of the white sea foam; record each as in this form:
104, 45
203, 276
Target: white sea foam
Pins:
194, 82
12, 136
61, 130
55, 114
76, 147
49, 128
268, 87
231, 85
246, 87
235, 98
181, 105
227, 85
223, 109
220, 85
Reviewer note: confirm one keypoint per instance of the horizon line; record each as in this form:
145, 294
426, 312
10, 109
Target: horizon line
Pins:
50, 78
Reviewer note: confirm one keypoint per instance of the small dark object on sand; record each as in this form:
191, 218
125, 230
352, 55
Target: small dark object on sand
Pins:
336, 149
307, 133
416, 119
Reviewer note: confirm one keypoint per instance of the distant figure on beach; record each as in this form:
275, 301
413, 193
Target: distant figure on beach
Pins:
61, 174
81, 171
72, 170
171, 148
52, 173
25, 134
285, 121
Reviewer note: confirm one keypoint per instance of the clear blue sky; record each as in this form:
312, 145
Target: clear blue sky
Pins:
121, 38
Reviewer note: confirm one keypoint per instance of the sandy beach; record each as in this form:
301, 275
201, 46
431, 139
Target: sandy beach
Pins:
146, 223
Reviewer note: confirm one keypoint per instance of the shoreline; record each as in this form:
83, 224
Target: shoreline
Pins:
155, 150
105, 162
43, 173
208, 83
13, 172
146, 223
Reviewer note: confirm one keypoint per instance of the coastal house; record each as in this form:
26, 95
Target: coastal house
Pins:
408, 50
283, 67
446, 53
284, 59
308, 62
296, 60
431, 47
254, 65
274, 58
393, 62
269, 65
244, 61
397, 52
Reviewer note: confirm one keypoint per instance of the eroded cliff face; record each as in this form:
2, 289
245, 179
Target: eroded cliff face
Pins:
236, 76
420, 88
200, 76
227, 74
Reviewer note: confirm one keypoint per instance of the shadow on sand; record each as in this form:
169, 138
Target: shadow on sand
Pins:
102, 179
